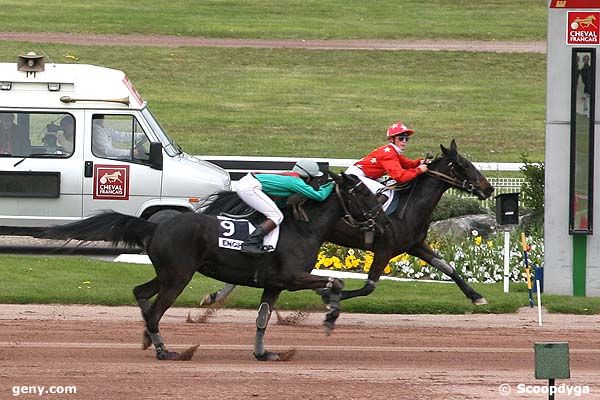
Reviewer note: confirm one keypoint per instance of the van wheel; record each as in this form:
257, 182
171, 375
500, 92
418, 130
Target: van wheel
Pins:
163, 215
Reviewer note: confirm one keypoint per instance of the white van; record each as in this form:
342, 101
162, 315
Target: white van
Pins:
77, 139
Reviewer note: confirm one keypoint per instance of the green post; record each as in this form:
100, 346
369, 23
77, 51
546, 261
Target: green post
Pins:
579, 264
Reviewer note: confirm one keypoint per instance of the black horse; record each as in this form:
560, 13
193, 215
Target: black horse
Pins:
188, 243
409, 224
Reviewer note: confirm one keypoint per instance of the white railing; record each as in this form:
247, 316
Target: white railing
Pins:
501, 185
237, 166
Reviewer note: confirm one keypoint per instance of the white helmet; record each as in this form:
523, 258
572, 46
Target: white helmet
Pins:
307, 169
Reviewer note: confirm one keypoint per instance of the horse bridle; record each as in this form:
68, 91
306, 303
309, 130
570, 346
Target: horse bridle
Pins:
453, 180
368, 225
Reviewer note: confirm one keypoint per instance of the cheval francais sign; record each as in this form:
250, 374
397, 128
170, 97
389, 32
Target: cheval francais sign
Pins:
582, 28
111, 182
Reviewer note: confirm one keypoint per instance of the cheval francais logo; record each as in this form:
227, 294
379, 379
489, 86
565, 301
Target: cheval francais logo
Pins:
111, 182
582, 28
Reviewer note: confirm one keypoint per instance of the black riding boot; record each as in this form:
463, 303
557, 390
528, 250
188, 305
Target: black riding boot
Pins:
254, 243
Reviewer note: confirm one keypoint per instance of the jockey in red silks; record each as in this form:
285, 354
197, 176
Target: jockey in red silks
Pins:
389, 160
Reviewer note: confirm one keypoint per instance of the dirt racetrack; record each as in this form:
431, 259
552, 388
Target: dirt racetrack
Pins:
97, 350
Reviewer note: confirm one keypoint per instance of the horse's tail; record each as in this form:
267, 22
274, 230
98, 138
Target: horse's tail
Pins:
109, 226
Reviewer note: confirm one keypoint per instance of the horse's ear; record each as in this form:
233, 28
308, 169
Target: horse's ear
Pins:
453, 145
444, 150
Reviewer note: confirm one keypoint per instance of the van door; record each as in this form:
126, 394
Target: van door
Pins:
117, 172
41, 168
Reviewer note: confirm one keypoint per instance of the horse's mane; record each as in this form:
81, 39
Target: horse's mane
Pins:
226, 201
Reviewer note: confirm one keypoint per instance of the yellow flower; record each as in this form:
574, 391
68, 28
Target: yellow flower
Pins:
351, 262
478, 240
388, 269
367, 261
397, 258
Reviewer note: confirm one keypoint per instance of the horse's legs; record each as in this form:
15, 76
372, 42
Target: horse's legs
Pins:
333, 288
426, 253
219, 296
170, 289
144, 292
380, 260
267, 301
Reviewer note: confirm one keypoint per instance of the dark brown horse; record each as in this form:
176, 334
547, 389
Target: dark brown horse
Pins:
188, 243
409, 224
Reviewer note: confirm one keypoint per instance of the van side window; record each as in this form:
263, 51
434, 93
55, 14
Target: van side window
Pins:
119, 137
45, 135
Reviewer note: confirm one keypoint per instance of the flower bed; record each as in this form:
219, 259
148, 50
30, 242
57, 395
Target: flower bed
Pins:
476, 259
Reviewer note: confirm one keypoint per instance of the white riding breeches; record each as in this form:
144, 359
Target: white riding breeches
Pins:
250, 190
373, 185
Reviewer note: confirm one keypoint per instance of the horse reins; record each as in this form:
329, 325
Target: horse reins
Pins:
453, 181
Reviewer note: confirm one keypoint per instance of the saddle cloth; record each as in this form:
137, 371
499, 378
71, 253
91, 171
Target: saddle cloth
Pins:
393, 205
233, 232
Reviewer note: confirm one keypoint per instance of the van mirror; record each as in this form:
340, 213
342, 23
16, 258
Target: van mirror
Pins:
156, 155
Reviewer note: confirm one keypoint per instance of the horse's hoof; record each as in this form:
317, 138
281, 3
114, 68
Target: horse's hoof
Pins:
328, 328
267, 356
146, 341
330, 319
480, 301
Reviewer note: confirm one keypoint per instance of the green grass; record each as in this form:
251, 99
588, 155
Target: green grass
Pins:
334, 104
77, 280
289, 19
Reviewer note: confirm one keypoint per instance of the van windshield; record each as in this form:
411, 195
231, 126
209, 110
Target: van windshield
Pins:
170, 146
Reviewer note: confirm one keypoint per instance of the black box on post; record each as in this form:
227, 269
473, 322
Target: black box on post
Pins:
507, 209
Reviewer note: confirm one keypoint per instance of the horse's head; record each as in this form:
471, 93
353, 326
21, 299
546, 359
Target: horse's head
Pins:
360, 205
460, 173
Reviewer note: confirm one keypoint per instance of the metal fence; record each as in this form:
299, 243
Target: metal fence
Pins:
501, 185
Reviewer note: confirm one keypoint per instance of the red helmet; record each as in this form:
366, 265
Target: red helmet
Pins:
398, 128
